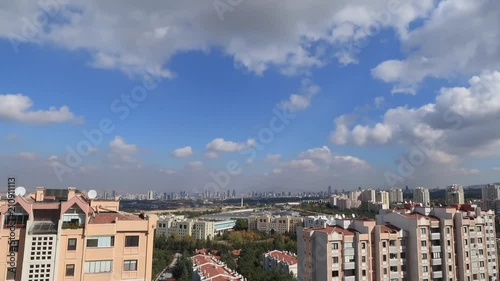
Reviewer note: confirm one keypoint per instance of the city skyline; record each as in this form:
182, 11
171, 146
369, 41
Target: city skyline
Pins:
334, 94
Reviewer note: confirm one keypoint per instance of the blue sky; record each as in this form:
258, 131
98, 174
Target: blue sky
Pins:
224, 79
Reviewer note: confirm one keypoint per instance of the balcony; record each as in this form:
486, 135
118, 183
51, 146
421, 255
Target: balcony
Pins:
349, 265
43, 227
437, 274
70, 225
435, 261
436, 249
435, 236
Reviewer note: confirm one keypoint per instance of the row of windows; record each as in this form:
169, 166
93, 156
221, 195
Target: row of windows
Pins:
104, 241
101, 267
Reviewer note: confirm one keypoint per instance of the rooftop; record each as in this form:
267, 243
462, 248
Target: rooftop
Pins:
283, 256
104, 218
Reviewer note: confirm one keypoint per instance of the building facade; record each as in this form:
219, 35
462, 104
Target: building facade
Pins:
421, 196
210, 268
275, 223
65, 235
413, 243
395, 195
172, 225
281, 261
454, 194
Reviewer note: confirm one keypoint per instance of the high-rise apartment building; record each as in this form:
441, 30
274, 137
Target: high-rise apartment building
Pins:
382, 197
421, 196
368, 195
491, 198
395, 195
65, 235
454, 194
414, 243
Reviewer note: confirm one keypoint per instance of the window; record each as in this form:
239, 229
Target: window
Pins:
392, 243
383, 244
335, 246
71, 244
98, 266
335, 273
130, 265
348, 258
363, 259
423, 231
363, 272
11, 273
363, 245
424, 256
479, 228
348, 245
335, 259
425, 269
131, 241
101, 241
394, 269
393, 256
423, 243
436, 255
70, 270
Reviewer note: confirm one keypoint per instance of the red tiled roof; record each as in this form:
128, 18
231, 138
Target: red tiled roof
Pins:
236, 253
330, 229
102, 218
389, 228
282, 256
209, 268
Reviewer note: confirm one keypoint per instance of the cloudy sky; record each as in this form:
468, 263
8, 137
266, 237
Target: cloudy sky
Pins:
249, 95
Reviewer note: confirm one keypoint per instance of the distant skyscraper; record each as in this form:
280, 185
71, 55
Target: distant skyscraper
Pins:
455, 194
151, 195
421, 195
234, 193
329, 190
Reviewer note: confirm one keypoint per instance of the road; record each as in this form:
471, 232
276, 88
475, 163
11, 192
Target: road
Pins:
165, 274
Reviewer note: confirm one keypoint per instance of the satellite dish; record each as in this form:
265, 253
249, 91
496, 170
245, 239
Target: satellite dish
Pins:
353, 215
92, 194
20, 191
343, 216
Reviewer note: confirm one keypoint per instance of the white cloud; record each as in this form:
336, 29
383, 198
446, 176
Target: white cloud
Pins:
19, 108
448, 44
321, 153
220, 145
301, 101
122, 152
127, 37
27, 155
182, 152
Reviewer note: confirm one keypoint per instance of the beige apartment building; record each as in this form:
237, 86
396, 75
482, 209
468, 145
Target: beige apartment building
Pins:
281, 261
65, 235
180, 226
280, 224
414, 243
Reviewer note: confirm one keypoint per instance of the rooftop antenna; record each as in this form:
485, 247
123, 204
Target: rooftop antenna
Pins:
20, 191
92, 194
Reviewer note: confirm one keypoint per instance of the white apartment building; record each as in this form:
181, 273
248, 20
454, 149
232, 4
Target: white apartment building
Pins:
275, 223
382, 197
281, 261
318, 221
421, 196
414, 243
455, 194
209, 268
395, 195
180, 226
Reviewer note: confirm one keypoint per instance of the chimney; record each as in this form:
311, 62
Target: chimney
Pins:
39, 194
71, 192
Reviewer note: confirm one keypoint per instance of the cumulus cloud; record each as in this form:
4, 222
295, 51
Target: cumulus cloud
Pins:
322, 159
18, 107
218, 145
258, 35
447, 44
182, 152
122, 152
461, 121
301, 101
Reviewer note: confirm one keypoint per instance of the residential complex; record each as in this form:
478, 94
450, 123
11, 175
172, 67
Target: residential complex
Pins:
66, 235
421, 196
281, 261
395, 195
491, 198
200, 229
210, 268
318, 221
412, 243
279, 223
454, 194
